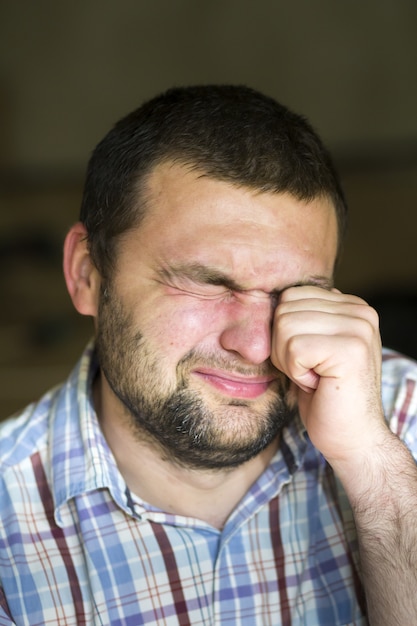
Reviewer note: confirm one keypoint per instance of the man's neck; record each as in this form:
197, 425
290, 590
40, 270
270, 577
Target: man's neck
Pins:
208, 495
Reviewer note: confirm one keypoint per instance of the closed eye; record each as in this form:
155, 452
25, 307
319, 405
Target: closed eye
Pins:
195, 279
180, 283
199, 291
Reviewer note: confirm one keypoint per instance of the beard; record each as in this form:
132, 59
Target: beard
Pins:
192, 428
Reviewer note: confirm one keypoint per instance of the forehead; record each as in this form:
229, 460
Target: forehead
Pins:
190, 217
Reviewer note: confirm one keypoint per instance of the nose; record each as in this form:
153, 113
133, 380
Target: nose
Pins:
248, 331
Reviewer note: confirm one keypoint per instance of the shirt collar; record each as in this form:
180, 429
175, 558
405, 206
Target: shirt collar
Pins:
81, 460
287, 460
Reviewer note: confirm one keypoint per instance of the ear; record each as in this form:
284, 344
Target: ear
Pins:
81, 275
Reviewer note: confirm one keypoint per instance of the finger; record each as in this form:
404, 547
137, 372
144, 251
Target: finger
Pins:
342, 307
307, 359
317, 318
313, 292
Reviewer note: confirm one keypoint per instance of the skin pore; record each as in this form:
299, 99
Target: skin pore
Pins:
188, 397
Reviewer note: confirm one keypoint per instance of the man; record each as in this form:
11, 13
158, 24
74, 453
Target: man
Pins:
220, 453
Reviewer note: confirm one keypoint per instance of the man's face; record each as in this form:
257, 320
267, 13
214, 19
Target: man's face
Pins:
185, 326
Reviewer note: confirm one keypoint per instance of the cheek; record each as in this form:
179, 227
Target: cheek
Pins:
183, 328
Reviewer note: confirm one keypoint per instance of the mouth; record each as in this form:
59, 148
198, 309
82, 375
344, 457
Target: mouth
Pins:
234, 385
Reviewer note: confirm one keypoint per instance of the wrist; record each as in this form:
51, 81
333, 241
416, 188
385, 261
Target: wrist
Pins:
372, 472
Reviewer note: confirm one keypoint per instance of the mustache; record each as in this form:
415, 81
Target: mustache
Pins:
196, 358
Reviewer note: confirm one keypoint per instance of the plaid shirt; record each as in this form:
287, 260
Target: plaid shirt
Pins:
76, 547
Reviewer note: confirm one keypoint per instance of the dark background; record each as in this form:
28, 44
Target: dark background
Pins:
68, 70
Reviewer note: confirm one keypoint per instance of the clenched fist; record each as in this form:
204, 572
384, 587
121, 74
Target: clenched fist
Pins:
328, 344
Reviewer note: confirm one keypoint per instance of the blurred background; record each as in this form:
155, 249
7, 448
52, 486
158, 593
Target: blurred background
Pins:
69, 70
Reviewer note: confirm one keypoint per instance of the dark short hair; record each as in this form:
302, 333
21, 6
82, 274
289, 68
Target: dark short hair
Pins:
229, 132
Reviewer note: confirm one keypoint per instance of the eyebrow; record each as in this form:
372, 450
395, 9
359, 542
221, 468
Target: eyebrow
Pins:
207, 275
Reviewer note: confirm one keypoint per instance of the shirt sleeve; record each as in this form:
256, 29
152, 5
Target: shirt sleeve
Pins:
399, 396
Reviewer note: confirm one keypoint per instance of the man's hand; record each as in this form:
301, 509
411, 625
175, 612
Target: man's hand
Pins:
328, 344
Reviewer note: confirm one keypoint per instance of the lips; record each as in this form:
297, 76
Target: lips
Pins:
234, 385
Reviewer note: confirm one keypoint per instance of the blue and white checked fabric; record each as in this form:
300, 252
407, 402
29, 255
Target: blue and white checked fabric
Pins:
76, 547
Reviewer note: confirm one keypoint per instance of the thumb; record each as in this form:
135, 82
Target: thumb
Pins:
308, 382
